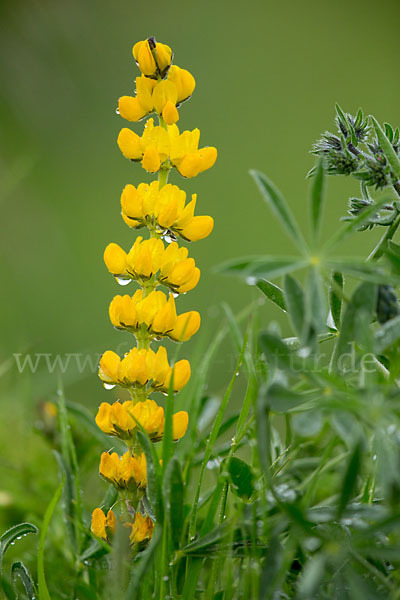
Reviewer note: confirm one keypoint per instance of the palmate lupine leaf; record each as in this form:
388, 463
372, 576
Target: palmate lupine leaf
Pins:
279, 207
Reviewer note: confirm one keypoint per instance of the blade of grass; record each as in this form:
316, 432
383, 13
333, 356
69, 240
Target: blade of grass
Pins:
42, 586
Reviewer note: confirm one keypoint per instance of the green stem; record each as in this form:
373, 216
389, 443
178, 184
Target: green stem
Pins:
378, 251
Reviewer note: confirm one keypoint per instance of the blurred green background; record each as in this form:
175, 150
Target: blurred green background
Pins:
268, 75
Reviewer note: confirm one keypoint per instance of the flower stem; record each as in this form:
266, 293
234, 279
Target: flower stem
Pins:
378, 251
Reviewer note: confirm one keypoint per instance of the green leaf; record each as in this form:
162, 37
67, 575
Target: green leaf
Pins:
14, 533
350, 478
279, 207
272, 291
241, 477
387, 148
363, 301
153, 475
317, 195
173, 497
19, 571
387, 335
43, 591
294, 300
316, 312
252, 268
335, 297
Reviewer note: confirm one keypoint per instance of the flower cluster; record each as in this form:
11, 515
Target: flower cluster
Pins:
150, 314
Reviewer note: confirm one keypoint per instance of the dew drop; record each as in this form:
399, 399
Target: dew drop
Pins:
19, 537
251, 280
109, 386
166, 578
117, 111
123, 281
175, 294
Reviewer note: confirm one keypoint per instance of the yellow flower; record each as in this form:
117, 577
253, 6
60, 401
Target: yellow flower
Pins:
142, 529
103, 526
150, 259
147, 204
121, 419
124, 472
180, 149
142, 367
161, 97
155, 312
153, 58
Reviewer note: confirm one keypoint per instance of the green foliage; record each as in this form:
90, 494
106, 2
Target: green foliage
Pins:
287, 485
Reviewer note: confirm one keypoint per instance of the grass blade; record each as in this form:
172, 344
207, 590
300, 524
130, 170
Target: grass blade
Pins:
42, 586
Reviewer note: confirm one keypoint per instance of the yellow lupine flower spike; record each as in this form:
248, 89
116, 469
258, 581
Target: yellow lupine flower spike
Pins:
150, 314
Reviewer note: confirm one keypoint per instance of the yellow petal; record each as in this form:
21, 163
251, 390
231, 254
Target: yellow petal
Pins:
131, 202
98, 525
109, 366
170, 113
187, 324
151, 160
145, 59
180, 422
129, 144
115, 259
131, 109
103, 418
198, 228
